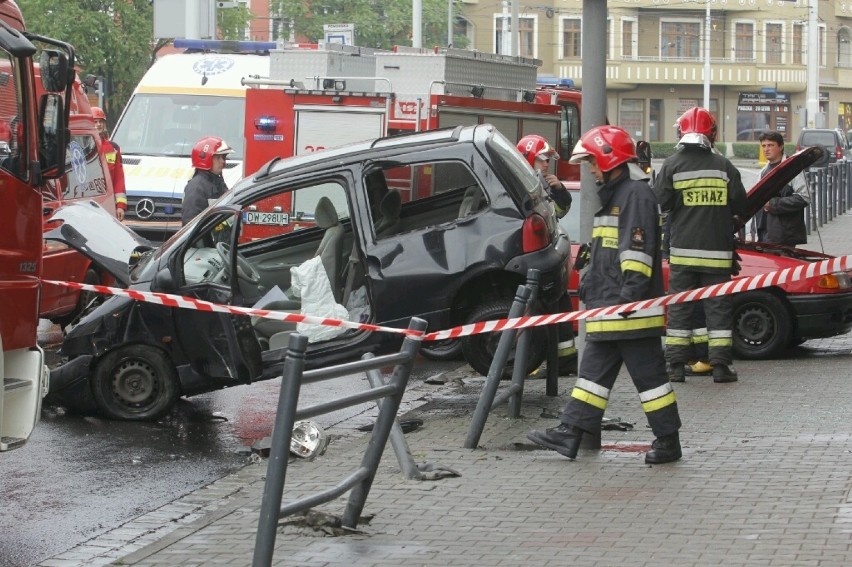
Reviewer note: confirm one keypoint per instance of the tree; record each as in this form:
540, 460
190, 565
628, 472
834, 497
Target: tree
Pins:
112, 39
378, 23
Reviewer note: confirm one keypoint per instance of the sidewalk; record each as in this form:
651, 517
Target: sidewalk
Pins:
766, 479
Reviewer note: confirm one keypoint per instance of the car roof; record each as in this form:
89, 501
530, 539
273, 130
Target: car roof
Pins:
373, 149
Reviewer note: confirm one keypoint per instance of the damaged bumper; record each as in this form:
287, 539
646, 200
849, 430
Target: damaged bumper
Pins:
69, 385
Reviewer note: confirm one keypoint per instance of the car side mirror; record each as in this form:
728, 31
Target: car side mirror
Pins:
163, 281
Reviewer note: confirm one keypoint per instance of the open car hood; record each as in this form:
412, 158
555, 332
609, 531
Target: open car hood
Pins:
92, 231
781, 175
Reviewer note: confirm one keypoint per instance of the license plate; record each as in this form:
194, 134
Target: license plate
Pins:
259, 217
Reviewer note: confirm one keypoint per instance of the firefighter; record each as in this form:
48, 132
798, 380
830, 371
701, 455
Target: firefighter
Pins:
207, 184
702, 192
626, 235
538, 153
112, 153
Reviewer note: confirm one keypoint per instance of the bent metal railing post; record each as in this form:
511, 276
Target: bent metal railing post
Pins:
501, 355
358, 482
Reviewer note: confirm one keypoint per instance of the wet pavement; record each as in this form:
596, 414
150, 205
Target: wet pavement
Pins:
766, 479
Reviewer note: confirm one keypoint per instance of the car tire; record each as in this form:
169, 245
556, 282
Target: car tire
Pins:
135, 383
763, 325
448, 349
479, 349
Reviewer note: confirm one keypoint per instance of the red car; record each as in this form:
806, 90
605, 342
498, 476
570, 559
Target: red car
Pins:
86, 178
768, 321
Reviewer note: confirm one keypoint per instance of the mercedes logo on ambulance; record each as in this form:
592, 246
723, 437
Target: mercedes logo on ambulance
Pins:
145, 208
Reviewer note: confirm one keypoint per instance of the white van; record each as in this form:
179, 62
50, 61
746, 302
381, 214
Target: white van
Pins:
182, 98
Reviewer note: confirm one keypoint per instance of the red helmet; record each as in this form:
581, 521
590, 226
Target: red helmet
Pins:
609, 145
533, 146
205, 149
699, 121
98, 113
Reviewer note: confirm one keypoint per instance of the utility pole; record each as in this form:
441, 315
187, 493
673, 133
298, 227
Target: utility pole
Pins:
812, 105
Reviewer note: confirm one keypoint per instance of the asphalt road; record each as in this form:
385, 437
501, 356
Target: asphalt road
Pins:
80, 476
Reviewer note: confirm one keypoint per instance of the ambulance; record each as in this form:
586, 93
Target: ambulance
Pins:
182, 98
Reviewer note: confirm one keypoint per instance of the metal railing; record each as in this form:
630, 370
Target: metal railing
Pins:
358, 482
831, 193
489, 398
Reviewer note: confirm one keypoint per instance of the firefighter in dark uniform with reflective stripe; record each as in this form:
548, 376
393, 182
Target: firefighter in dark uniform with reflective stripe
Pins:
702, 192
625, 265
539, 154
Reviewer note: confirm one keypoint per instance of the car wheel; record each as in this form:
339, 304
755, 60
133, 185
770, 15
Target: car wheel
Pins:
135, 383
448, 349
479, 349
763, 326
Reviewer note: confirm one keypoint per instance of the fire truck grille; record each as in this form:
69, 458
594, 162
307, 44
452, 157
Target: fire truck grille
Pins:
150, 209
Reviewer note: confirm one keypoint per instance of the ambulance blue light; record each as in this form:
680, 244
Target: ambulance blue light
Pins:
224, 46
266, 123
169, 209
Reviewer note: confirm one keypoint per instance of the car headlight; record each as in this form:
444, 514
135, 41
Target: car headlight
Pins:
836, 280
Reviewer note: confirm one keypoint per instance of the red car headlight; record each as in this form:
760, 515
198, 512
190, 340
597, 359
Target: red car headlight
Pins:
837, 280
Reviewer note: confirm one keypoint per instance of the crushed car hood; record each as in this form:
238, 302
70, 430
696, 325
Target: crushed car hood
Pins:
768, 187
99, 236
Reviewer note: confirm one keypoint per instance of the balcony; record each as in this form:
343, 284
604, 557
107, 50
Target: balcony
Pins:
630, 73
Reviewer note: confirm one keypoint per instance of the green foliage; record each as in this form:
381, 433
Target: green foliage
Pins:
378, 24
662, 150
721, 147
112, 39
789, 149
746, 150
232, 22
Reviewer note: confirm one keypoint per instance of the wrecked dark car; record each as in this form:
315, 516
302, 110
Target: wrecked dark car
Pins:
442, 225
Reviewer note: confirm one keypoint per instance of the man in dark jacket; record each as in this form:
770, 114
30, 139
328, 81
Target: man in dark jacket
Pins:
207, 184
702, 192
782, 220
625, 265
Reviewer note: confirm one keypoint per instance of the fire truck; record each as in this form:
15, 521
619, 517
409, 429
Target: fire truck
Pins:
32, 151
315, 97
318, 97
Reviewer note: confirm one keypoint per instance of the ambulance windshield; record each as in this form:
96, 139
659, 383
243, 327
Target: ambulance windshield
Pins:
170, 124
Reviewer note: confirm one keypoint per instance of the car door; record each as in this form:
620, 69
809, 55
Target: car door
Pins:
219, 346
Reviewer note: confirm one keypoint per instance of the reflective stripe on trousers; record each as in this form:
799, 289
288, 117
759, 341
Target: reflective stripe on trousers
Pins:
599, 368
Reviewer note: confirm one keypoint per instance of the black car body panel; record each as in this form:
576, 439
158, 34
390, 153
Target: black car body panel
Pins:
442, 260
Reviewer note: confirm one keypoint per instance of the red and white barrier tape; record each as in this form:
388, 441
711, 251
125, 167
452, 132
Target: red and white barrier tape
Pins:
839, 264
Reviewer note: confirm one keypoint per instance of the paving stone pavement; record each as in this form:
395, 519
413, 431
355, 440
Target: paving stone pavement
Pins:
766, 479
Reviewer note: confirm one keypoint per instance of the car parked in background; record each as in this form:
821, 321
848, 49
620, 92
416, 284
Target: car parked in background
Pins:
768, 321
833, 141
442, 225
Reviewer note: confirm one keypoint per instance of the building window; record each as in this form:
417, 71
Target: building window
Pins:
822, 48
526, 39
655, 119
608, 37
680, 40
798, 45
774, 44
572, 37
744, 41
844, 48
632, 117
628, 38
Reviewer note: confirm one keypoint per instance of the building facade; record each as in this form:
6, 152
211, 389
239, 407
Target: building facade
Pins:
655, 59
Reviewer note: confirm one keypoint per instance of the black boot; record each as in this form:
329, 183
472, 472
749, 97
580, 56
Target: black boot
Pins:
676, 372
723, 373
564, 439
664, 449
